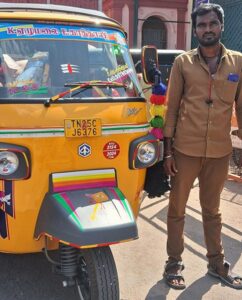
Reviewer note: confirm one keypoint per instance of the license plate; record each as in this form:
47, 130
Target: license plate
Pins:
82, 127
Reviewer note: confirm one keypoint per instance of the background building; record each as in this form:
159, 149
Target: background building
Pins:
163, 23
92, 4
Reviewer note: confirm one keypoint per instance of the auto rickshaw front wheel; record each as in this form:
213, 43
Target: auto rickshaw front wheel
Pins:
97, 277
91, 271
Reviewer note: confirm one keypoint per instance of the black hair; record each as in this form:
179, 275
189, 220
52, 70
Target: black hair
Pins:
205, 8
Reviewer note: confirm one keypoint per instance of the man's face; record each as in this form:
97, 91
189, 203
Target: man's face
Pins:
208, 29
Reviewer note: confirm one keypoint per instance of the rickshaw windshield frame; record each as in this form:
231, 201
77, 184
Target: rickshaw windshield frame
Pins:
37, 60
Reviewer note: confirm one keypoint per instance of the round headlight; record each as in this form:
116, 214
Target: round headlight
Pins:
146, 153
8, 163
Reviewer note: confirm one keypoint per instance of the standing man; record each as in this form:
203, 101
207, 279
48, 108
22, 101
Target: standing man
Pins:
204, 85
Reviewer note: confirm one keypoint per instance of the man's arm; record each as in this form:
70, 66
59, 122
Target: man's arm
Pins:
174, 96
238, 104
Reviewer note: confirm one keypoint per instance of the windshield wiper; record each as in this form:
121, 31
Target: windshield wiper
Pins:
79, 86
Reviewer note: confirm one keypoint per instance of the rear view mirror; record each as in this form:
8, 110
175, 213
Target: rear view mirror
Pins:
149, 58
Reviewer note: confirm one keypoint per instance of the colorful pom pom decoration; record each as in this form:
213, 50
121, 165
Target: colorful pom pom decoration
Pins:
157, 132
157, 122
158, 109
157, 99
159, 89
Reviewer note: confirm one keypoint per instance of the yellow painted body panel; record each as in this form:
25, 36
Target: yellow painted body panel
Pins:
52, 152
60, 154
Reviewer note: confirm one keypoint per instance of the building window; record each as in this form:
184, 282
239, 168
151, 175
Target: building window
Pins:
154, 33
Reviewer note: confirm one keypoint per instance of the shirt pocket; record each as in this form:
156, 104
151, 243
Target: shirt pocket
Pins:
226, 90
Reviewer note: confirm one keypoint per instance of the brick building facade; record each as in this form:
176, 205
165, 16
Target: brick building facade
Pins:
92, 4
164, 23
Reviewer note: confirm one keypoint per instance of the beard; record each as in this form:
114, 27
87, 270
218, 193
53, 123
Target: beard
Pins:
212, 40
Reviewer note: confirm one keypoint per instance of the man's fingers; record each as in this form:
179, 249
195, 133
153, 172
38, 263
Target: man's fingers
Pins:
170, 167
174, 169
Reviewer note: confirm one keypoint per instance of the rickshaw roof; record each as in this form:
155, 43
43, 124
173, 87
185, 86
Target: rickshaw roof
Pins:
51, 12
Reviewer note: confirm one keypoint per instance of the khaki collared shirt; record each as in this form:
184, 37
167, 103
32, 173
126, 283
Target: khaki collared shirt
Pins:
200, 104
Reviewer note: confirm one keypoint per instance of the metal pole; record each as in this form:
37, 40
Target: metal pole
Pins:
100, 5
135, 31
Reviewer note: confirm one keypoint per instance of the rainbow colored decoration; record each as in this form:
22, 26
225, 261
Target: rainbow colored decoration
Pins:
78, 180
158, 109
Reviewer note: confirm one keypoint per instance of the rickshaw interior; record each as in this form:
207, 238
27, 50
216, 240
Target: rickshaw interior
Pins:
34, 68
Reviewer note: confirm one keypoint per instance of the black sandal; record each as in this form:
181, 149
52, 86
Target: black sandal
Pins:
169, 276
228, 278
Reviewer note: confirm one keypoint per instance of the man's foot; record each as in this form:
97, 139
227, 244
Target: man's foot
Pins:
173, 275
223, 273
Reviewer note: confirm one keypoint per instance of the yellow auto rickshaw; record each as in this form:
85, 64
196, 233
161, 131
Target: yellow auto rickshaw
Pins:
74, 141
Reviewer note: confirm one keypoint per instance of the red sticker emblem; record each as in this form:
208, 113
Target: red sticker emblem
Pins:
111, 150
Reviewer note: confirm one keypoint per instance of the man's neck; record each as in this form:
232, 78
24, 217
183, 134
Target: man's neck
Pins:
213, 51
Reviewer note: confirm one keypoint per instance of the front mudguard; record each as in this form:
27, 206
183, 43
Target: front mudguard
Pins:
88, 217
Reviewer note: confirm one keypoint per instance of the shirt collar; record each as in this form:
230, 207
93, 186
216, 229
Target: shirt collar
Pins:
197, 51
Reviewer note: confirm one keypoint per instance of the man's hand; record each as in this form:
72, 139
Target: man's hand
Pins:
170, 165
169, 162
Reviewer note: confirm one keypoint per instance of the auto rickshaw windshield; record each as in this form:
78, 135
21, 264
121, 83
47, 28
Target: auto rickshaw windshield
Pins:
38, 60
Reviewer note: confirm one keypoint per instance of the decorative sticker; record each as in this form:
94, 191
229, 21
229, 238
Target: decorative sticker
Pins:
133, 111
54, 31
98, 197
6, 206
68, 68
79, 180
119, 74
111, 150
84, 150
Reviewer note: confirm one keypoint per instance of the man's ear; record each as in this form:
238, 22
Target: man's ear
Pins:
222, 27
194, 32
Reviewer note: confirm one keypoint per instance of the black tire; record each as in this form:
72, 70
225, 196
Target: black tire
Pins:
97, 275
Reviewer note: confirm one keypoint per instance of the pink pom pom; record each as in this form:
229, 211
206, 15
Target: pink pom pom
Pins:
157, 132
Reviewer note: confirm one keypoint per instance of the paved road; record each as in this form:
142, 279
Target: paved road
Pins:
140, 263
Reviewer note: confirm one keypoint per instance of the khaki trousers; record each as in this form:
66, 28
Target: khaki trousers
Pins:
211, 173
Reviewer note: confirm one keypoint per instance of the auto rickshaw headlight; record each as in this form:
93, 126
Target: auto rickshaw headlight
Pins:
8, 163
146, 152
15, 162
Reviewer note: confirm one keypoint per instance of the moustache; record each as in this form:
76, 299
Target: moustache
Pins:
209, 34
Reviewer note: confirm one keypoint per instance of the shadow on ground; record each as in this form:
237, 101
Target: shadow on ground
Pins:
194, 231
28, 277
